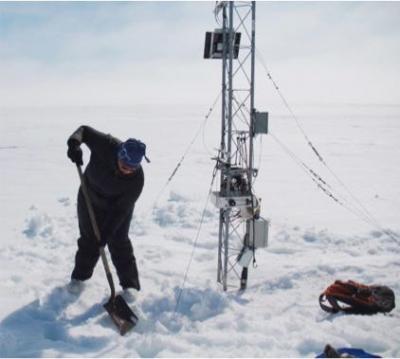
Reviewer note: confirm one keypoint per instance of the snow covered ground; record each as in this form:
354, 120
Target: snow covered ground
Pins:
313, 240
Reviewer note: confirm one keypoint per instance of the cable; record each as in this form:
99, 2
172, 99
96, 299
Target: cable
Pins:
218, 6
322, 185
255, 176
286, 103
195, 241
314, 176
211, 109
371, 219
207, 149
368, 214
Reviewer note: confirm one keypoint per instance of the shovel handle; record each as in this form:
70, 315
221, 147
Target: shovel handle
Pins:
96, 230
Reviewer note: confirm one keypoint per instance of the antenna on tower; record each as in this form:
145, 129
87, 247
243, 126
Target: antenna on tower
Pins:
241, 228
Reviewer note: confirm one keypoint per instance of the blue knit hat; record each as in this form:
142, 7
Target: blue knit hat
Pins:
131, 152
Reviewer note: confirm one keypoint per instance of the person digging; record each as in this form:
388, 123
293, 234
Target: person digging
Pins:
113, 181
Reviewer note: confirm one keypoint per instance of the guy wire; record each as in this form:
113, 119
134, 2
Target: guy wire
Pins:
322, 186
196, 239
371, 219
173, 173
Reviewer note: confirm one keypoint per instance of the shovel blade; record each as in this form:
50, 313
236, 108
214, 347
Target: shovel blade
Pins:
123, 317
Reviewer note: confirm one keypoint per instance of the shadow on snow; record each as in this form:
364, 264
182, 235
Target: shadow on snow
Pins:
42, 326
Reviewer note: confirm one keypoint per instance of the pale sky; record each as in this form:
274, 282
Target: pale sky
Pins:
140, 53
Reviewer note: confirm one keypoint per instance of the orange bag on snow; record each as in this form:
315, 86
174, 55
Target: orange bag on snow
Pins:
356, 298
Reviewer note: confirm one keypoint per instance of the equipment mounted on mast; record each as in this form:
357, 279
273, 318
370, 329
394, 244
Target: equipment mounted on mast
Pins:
241, 229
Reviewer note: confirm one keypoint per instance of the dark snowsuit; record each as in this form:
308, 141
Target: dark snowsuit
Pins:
113, 196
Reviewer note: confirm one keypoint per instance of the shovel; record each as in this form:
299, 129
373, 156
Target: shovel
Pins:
117, 308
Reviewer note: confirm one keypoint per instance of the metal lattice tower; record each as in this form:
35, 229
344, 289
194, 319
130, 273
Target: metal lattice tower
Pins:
234, 44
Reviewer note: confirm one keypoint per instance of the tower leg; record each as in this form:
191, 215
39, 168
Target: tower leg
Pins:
220, 243
243, 279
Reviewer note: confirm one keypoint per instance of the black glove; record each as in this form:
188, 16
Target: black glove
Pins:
75, 152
